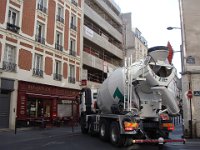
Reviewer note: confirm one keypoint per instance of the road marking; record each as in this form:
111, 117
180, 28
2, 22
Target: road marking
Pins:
52, 143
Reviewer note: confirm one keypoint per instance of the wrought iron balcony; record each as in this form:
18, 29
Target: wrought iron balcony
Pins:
42, 8
58, 47
74, 2
40, 39
8, 66
73, 53
13, 27
72, 80
57, 77
37, 72
72, 26
59, 18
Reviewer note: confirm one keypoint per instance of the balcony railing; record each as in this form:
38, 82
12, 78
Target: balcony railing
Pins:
13, 27
74, 2
73, 53
8, 66
39, 39
72, 80
72, 26
57, 77
42, 8
37, 72
59, 47
59, 18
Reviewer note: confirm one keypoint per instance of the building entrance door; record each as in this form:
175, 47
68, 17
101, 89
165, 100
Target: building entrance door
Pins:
4, 110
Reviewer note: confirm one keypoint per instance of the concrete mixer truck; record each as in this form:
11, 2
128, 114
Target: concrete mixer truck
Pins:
134, 103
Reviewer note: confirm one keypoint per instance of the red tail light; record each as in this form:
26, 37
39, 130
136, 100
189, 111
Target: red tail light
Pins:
130, 126
54, 114
168, 126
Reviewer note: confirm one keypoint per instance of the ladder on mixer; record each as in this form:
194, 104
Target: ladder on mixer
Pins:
128, 84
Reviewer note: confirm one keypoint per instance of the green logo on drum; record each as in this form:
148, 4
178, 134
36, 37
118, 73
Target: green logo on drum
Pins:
118, 94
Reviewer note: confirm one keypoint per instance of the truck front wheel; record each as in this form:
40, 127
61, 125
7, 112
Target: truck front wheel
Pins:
115, 137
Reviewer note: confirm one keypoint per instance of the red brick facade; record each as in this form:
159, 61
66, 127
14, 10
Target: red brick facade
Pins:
27, 46
51, 22
65, 70
48, 65
25, 59
15, 4
78, 37
66, 36
39, 49
0, 50
11, 39
28, 17
77, 74
79, 3
2, 11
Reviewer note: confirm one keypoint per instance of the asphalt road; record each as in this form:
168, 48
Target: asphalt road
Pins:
64, 139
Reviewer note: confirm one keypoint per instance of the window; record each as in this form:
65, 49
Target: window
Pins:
71, 74
58, 44
42, 5
38, 65
73, 22
60, 14
74, 2
13, 20
39, 37
72, 47
9, 60
57, 72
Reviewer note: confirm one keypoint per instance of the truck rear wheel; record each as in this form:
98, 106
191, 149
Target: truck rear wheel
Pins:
115, 137
104, 130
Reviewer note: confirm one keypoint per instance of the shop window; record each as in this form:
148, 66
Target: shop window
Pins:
71, 74
9, 60
38, 65
38, 108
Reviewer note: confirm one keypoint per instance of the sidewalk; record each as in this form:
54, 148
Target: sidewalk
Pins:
26, 134
178, 133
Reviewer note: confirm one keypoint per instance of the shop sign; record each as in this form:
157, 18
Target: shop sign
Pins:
66, 102
83, 82
196, 93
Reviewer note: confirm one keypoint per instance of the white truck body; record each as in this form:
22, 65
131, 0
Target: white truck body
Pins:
134, 101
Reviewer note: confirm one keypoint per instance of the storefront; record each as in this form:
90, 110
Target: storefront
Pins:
37, 103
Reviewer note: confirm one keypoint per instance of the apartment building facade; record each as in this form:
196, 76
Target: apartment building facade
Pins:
40, 59
103, 41
135, 44
190, 27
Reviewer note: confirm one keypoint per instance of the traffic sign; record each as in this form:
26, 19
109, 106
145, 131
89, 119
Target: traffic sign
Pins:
189, 94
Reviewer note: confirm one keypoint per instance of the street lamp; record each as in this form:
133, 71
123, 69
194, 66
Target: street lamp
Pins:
171, 28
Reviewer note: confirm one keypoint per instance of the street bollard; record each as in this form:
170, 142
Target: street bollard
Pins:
15, 125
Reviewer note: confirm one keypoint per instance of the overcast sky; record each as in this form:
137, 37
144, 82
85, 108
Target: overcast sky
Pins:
152, 17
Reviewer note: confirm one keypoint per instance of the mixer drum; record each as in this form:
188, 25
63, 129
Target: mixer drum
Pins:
111, 91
